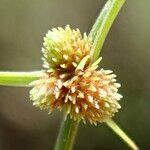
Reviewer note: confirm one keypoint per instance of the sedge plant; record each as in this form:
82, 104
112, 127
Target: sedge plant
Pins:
71, 81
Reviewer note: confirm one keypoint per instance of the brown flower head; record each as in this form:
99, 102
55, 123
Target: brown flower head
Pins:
88, 94
92, 95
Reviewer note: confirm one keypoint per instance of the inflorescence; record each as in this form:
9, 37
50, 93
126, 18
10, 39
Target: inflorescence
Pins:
65, 48
71, 83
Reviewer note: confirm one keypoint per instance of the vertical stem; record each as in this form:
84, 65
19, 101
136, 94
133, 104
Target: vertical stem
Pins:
122, 134
67, 133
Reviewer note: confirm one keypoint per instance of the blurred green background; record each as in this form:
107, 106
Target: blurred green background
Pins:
23, 23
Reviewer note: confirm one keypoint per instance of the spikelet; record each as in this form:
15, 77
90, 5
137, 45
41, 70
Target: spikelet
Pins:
65, 48
92, 95
48, 91
87, 95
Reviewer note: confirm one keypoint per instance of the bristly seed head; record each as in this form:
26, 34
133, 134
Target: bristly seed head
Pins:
65, 48
70, 83
95, 94
85, 95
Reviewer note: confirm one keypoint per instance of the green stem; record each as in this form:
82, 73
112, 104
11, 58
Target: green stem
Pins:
18, 78
122, 134
103, 24
67, 133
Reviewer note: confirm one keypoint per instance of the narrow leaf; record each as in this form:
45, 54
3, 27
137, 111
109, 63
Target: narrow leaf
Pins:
122, 134
103, 24
18, 78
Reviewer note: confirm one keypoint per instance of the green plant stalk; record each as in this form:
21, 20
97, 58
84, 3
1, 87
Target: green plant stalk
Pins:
122, 134
103, 24
18, 78
67, 134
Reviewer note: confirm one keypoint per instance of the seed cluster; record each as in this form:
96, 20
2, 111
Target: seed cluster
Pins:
65, 48
80, 90
92, 95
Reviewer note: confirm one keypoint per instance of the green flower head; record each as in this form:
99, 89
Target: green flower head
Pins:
65, 48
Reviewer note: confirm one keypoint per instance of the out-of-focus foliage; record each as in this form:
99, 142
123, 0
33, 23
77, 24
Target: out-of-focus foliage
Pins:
126, 51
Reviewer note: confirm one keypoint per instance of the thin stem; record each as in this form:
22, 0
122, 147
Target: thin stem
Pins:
103, 24
67, 133
122, 134
18, 78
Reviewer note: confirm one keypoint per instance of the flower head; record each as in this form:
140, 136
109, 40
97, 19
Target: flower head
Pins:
92, 95
65, 48
87, 95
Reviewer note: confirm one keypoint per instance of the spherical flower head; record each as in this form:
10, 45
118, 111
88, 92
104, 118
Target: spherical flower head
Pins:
65, 48
92, 95
87, 95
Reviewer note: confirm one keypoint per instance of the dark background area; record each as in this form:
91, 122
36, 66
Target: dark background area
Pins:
23, 24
